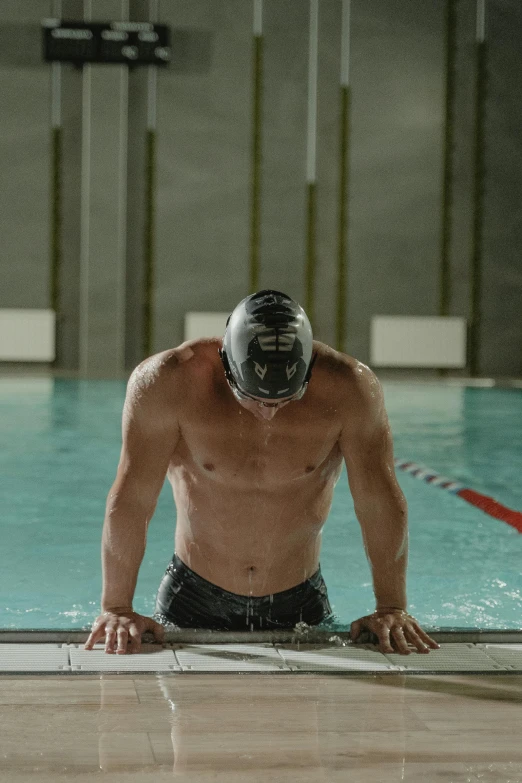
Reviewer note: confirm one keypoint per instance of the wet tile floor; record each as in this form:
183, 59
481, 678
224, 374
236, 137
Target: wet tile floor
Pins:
261, 727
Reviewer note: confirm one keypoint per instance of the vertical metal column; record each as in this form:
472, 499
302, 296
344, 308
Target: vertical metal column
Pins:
344, 162
56, 182
478, 192
85, 211
311, 161
103, 211
255, 187
447, 186
150, 197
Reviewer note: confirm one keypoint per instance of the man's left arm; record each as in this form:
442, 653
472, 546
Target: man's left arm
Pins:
381, 510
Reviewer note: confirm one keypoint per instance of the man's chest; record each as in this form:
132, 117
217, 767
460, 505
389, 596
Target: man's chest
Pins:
238, 447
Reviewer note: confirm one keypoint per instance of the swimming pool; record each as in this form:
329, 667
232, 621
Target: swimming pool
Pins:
60, 445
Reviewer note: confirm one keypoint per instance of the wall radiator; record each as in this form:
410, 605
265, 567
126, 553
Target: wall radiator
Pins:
27, 335
205, 325
418, 341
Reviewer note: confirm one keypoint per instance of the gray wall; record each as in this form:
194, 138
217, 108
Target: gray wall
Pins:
502, 303
203, 186
24, 157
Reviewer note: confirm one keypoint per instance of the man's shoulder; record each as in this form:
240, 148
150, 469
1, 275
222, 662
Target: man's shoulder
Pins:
341, 367
175, 365
352, 385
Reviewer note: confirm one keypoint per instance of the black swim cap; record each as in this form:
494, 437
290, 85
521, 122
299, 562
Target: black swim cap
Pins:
267, 347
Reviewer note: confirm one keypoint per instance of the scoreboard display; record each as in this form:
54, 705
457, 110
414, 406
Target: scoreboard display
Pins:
131, 43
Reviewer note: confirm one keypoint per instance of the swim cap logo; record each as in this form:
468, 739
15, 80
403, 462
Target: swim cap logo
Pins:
261, 371
276, 340
291, 371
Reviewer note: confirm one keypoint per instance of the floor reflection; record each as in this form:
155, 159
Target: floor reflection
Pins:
255, 727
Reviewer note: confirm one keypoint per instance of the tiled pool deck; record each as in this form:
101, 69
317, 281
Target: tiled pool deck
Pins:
184, 652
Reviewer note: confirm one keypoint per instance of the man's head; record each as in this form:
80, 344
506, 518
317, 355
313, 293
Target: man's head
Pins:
267, 348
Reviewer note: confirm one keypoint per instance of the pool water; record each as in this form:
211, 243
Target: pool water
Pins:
60, 443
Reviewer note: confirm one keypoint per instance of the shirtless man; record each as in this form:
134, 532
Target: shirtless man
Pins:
253, 445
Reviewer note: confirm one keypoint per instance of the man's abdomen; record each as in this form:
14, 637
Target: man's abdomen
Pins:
261, 572
251, 542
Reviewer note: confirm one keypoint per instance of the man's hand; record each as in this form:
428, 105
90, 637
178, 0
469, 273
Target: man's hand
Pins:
395, 627
122, 632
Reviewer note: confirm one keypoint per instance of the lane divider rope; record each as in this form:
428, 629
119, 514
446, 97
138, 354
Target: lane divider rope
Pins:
485, 503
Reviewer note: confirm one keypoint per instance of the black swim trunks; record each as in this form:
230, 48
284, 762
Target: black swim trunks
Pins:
189, 601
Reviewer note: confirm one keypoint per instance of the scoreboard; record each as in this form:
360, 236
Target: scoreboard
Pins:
132, 43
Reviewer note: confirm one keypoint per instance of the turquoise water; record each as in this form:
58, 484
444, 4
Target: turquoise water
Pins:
60, 445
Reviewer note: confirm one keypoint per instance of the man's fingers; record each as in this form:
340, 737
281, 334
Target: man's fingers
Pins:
134, 640
388, 629
400, 641
110, 639
95, 635
384, 640
123, 636
417, 641
123, 632
427, 639
355, 630
135, 633
91, 641
423, 637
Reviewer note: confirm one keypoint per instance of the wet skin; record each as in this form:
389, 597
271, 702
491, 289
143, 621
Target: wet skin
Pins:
252, 484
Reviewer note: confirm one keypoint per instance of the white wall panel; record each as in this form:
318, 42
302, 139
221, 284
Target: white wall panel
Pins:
413, 341
27, 335
205, 325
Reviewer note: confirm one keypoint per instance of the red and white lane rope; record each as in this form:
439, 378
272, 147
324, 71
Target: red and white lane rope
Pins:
484, 502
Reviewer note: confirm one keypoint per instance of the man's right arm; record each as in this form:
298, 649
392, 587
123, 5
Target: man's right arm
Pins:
150, 434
